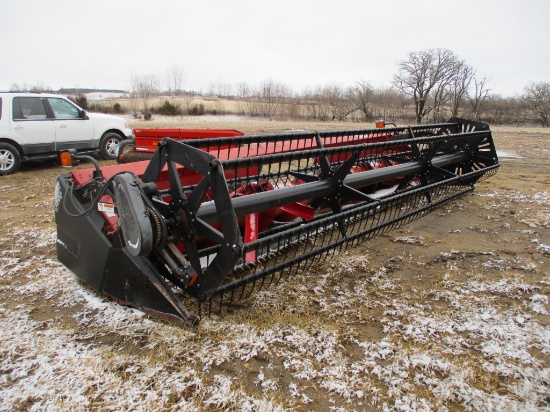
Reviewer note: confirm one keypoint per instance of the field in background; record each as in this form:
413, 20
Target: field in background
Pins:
193, 105
320, 105
448, 313
245, 124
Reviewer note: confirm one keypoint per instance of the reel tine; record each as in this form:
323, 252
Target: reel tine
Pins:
209, 307
271, 277
242, 292
220, 297
231, 297
251, 289
199, 308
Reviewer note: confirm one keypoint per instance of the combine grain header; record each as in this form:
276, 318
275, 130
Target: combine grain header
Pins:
220, 218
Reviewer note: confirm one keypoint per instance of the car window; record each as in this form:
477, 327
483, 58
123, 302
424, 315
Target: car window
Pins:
62, 109
29, 108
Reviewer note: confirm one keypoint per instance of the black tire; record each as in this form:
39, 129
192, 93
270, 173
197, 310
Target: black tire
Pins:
10, 159
108, 145
123, 148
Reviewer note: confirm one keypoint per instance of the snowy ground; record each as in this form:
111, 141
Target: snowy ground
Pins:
457, 346
450, 313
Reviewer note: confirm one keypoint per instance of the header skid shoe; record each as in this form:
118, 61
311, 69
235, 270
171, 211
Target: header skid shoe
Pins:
219, 218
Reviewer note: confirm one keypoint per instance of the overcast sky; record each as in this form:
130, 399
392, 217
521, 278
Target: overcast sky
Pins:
301, 43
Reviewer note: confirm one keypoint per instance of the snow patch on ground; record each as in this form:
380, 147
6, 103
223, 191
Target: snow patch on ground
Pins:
509, 155
98, 96
196, 119
459, 346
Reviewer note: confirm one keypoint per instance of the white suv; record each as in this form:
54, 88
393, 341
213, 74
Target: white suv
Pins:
36, 126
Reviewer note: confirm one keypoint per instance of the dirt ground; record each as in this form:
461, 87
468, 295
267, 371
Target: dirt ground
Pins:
450, 312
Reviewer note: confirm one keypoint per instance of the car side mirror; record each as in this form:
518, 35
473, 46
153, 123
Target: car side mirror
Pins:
84, 115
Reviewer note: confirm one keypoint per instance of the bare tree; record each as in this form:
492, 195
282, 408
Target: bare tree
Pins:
134, 101
271, 95
385, 102
224, 89
479, 96
424, 73
144, 87
329, 102
188, 98
503, 110
345, 104
309, 103
330, 95
25, 87
243, 92
175, 78
364, 97
321, 97
442, 89
251, 99
248, 99
459, 86
537, 98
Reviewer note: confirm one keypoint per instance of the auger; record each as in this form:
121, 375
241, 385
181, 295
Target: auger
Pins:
220, 218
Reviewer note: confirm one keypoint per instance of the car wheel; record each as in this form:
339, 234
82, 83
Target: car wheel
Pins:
10, 159
124, 147
109, 143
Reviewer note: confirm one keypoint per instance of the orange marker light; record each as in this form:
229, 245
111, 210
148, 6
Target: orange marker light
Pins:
66, 159
380, 124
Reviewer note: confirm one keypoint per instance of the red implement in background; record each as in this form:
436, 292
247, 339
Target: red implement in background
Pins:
146, 141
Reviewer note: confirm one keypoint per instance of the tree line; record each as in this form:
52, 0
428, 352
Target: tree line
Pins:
428, 86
